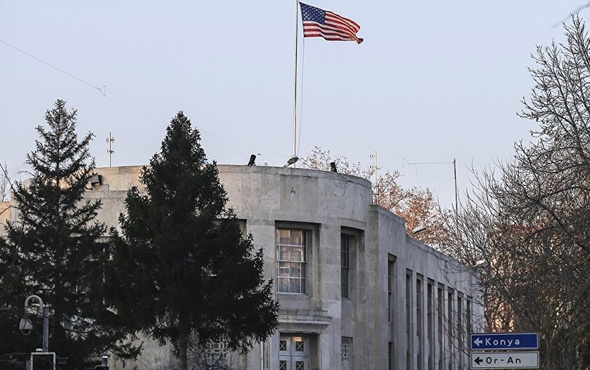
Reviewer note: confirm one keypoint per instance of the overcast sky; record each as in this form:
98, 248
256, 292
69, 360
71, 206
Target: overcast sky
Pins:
433, 81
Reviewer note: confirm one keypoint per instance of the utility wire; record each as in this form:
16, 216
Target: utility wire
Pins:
577, 10
102, 90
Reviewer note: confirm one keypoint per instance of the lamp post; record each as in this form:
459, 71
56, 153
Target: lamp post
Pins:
45, 314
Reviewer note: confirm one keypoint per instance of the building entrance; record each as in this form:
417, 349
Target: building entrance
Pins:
294, 352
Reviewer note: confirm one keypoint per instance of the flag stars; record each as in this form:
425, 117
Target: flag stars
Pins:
310, 13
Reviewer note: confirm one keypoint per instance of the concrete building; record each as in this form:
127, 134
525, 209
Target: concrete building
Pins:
355, 291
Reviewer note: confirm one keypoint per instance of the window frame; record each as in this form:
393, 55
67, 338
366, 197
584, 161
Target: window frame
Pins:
285, 267
355, 240
345, 265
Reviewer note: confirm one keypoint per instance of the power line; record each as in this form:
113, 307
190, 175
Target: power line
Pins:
577, 10
102, 90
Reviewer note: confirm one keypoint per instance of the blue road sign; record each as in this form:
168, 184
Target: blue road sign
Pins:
491, 341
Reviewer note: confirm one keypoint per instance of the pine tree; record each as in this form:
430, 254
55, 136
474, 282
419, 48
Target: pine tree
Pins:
188, 268
50, 247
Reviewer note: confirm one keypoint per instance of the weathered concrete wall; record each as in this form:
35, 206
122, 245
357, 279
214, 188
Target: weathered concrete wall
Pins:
325, 201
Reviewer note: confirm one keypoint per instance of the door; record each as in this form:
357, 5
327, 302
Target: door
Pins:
294, 352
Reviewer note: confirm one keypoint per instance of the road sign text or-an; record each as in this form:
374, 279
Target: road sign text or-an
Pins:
504, 360
504, 341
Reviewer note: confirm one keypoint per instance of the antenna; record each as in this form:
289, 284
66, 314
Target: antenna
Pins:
376, 168
110, 151
456, 192
454, 163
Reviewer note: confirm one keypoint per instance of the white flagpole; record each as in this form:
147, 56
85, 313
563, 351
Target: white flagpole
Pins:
295, 93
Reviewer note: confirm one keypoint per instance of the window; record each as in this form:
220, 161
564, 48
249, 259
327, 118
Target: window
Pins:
390, 355
346, 349
409, 326
450, 328
469, 315
468, 323
430, 322
419, 321
291, 260
351, 243
346, 242
460, 337
390, 286
440, 320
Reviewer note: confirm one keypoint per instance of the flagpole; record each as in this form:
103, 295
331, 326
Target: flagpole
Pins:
295, 92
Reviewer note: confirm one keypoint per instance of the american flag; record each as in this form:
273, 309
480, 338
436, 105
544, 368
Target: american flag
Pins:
330, 26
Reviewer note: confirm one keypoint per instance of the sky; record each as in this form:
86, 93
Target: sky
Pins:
433, 82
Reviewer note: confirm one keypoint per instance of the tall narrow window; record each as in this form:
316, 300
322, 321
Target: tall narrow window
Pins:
450, 328
390, 286
291, 260
468, 321
346, 350
440, 323
419, 322
460, 337
469, 318
430, 322
409, 326
390, 356
346, 242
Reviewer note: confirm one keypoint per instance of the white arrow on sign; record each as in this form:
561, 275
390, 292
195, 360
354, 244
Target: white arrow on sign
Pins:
478, 341
503, 360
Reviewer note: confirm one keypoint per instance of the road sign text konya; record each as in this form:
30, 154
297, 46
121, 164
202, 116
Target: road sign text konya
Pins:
504, 341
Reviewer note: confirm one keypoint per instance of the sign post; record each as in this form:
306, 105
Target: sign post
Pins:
42, 361
511, 345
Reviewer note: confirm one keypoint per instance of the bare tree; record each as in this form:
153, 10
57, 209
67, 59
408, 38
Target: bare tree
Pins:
4, 183
417, 206
528, 220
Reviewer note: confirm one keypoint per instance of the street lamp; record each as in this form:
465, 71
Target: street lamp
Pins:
26, 325
418, 229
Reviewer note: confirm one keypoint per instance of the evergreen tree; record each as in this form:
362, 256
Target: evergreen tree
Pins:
50, 249
12, 342
188, 269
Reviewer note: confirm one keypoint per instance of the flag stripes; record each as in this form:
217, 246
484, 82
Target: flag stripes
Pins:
328, 25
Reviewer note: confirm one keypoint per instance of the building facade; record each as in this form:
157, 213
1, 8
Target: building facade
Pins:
355, 291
